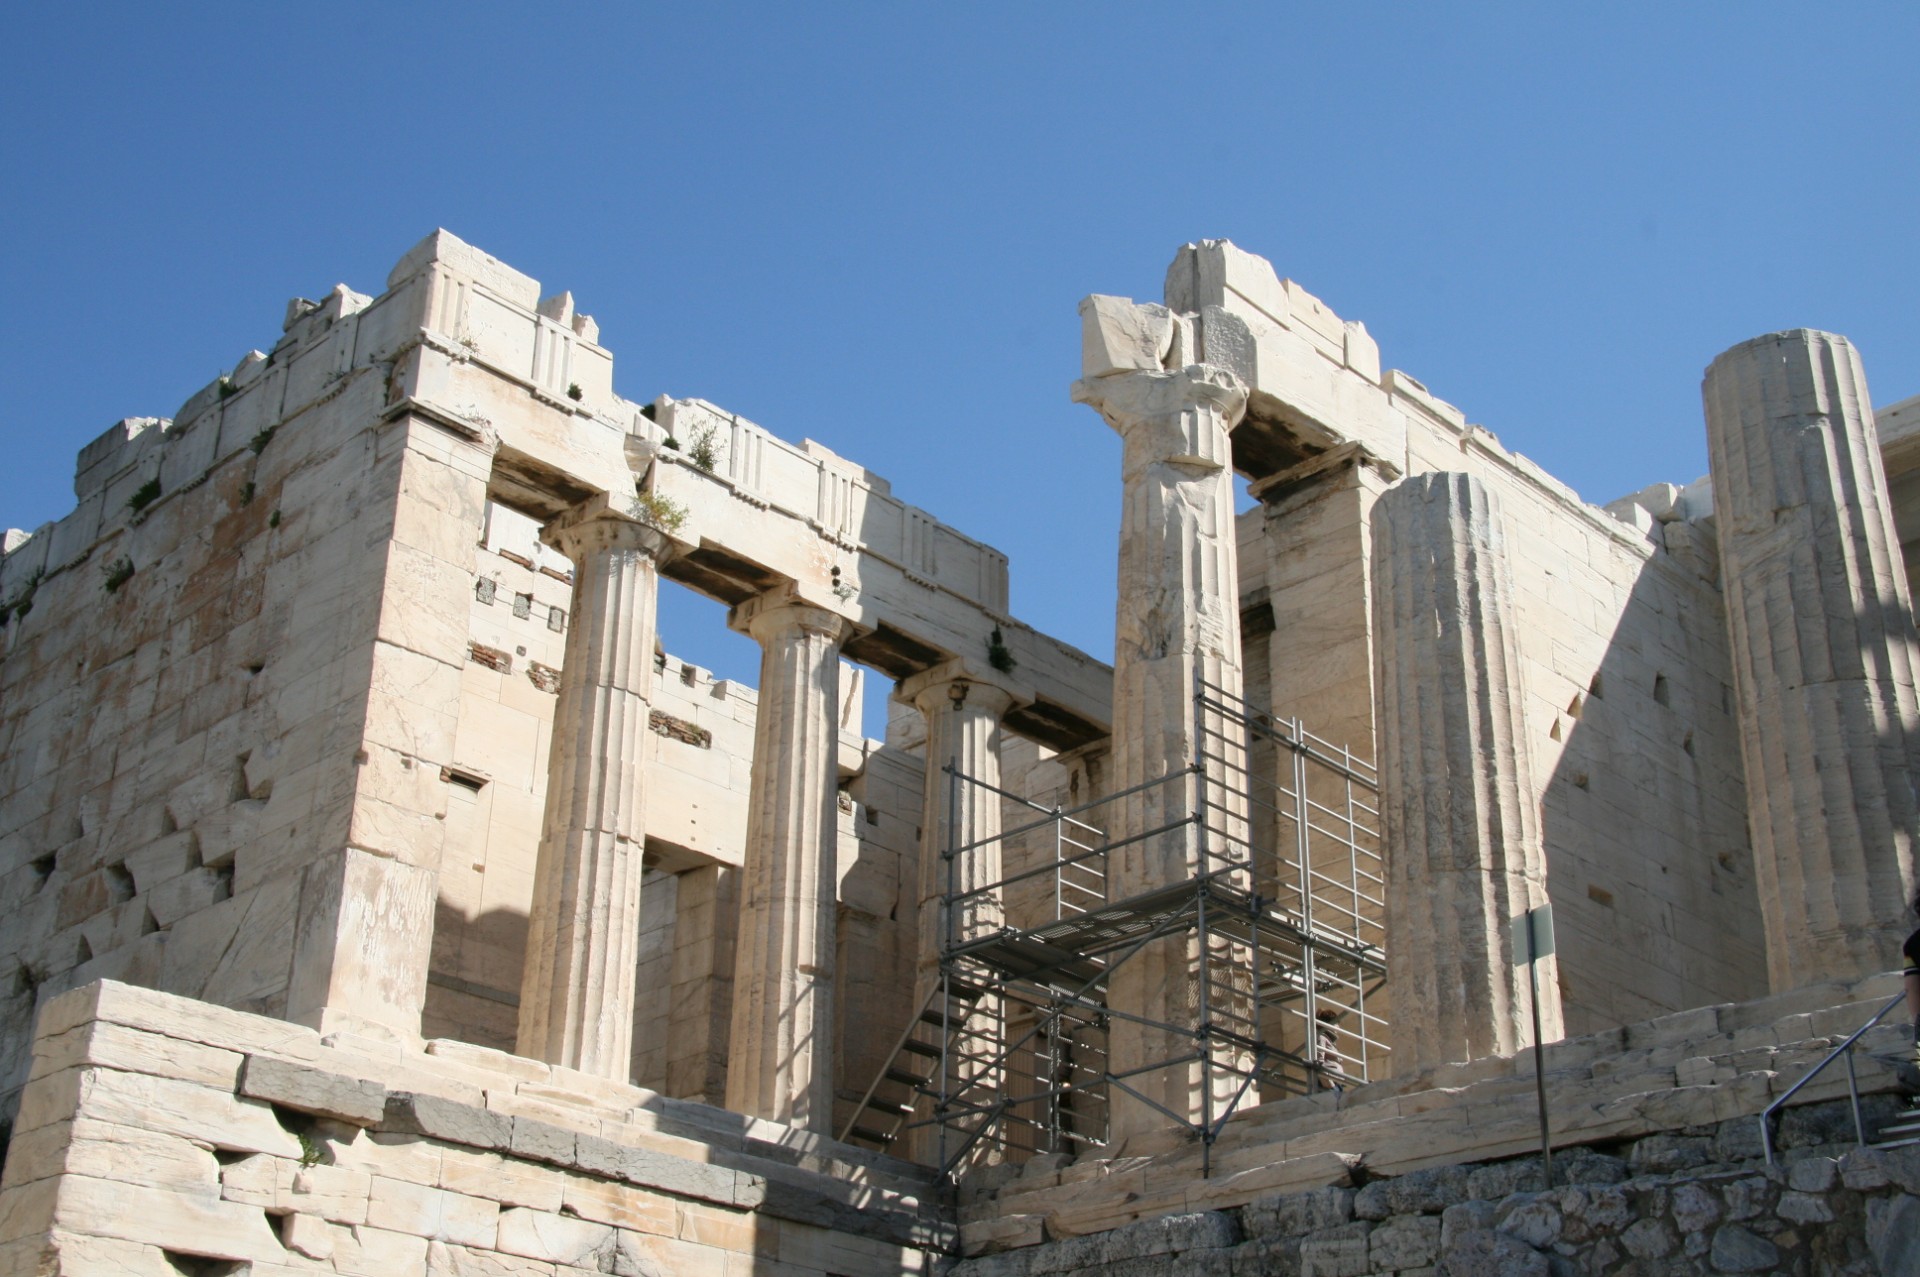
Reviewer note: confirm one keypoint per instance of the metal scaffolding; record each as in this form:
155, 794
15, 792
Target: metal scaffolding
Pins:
1280, 914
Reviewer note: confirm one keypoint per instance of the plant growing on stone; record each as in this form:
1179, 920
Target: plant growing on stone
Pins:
260, 441
575, 393
998, 654
661, 512
144, 495
117, 574
273, 520
227, 388
701, 448
22, 603
246, 493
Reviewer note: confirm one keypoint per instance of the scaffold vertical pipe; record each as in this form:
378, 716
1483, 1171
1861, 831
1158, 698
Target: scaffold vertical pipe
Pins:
1303, 851
1252, 929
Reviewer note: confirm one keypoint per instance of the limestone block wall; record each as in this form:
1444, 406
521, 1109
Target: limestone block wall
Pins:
1622, 632
1624, 657
216, 740
1898, 426
878, 925
161, 1135
275, 698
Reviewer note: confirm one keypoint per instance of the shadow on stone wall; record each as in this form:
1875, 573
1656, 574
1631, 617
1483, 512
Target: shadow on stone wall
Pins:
1643, 812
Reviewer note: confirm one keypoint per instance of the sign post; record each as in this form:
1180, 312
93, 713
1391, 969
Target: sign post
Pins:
1532, 941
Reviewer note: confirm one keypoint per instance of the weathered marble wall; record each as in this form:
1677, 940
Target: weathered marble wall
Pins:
226, 705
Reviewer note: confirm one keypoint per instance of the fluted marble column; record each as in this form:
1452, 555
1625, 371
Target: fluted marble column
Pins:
782, 1059
576, 992
963, 730
1178, 621
1823, 652
1463, 847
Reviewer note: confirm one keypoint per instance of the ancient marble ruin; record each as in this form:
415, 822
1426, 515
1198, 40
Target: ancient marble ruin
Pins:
380, 895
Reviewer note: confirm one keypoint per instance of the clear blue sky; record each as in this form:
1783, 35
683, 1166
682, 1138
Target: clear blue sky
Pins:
870, 224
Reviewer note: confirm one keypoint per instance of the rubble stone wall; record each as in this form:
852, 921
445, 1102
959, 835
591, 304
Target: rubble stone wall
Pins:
1683, 1203
1691, 1084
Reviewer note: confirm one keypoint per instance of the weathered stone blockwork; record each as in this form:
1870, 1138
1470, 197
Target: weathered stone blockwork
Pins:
279, 706
1637, 1113
1668, 1204
296, 761
157, 1131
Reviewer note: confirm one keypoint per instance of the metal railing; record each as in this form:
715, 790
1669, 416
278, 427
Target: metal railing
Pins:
1845, 1049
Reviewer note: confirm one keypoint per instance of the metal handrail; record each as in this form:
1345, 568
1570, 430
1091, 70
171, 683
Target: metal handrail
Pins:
912, 1024
1853, 1084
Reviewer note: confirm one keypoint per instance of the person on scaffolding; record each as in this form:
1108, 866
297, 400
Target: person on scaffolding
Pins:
1326, 1054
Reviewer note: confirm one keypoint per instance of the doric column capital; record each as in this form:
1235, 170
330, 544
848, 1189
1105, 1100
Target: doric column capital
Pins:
1183, 415
596, 525
960, 682
783, 610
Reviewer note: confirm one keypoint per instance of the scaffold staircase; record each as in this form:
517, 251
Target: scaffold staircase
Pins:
1007, 1052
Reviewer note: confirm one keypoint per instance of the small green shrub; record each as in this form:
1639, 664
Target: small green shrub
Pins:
701, 449
246, 493
273, 520
117, 574
575, 393
144, 495
998, 654
22, 603
260, 441
227, 388
661, 512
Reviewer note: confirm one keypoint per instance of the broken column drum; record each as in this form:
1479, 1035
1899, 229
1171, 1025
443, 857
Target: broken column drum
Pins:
576, 995
1824, 647
782, 1061
1177, 625
1464, 856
